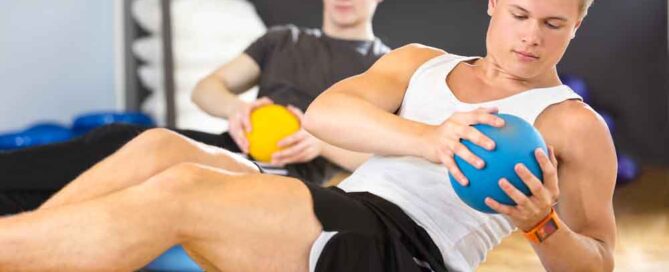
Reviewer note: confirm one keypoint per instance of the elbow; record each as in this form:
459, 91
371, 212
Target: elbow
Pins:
314, 116
308, 121
606, 262
199, 91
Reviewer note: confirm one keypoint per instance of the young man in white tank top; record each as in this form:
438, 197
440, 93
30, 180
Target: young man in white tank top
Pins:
397, 212
440, 96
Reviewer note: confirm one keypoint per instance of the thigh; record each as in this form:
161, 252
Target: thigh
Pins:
250, 222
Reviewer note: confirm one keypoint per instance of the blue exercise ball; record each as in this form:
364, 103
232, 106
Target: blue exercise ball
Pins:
578, 85
515, 143
89, 121
173, 260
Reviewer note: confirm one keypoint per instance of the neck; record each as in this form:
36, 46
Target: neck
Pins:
362, 31
494, 75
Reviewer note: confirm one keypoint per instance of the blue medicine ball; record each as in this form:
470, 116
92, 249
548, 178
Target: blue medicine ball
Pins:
174, 260
515, 143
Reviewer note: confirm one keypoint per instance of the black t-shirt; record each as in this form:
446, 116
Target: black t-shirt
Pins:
298, 64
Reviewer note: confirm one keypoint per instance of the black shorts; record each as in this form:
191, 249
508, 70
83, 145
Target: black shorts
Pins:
372, 234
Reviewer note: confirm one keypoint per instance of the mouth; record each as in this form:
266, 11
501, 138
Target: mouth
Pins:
527, 56
343, 8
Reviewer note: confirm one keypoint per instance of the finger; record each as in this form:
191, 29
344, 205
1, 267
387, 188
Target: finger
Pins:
548, 169
491, 110
289, 155
292, 139
454, 170
241, 141
475, 136
304, 156
533, 183
501, 208
245, 117
521, 200
296, 111
262, 102
480, 117
551, 152
463, 152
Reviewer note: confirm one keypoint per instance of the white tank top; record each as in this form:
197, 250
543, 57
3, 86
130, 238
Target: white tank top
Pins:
422, 188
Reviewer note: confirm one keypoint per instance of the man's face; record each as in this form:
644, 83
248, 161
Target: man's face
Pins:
348, 13
528, 37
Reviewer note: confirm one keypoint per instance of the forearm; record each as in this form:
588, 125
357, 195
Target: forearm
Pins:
362, 127
214, 98
566, 250
347, 159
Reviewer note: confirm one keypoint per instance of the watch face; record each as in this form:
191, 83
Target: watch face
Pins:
546, 230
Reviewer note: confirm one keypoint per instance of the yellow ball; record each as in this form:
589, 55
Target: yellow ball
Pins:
269, 125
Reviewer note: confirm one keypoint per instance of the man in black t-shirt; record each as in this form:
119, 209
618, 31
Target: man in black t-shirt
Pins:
290, 65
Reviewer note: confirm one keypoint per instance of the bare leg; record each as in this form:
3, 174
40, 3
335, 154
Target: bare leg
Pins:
148, 154
240, 222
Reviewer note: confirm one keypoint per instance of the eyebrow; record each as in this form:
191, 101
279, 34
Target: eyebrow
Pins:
549, 18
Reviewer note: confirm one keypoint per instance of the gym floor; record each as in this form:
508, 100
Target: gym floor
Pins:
642, 215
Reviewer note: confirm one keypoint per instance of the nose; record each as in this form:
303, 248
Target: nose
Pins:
531, 35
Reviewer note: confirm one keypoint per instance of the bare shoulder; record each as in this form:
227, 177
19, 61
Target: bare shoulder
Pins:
573, 125
406, 59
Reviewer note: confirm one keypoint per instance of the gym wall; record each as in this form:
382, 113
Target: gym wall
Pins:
621, 51
56, 60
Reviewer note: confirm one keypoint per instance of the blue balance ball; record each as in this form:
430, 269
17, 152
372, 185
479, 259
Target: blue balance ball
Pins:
514, 143
174, 260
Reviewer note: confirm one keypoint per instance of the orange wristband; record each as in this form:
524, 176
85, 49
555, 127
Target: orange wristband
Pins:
545, 228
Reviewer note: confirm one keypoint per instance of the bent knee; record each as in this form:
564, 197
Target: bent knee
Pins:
158, 136
183, 177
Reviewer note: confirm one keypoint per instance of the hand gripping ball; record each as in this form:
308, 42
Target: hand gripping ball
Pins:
515, 143
269, 125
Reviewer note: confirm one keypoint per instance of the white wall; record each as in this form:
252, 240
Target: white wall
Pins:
56, 60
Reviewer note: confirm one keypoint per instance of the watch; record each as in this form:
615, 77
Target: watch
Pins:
544, 229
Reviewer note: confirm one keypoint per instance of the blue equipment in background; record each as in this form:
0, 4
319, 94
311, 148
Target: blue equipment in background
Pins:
39, 134
578, 85
51, 132
86, 122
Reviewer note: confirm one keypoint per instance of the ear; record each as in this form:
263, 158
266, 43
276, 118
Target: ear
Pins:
573, 32
491, 6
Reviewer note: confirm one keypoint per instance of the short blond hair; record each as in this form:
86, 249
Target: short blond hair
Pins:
585, 5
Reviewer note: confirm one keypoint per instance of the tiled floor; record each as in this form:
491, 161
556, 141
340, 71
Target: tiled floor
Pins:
642, 215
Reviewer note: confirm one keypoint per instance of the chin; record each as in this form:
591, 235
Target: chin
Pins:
346, 21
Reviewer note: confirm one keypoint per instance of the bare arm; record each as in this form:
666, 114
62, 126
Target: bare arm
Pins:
371, 98
217, 93
587, 174
346, 159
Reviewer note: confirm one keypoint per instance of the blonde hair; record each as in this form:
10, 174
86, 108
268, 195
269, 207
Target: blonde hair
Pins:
585, 5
